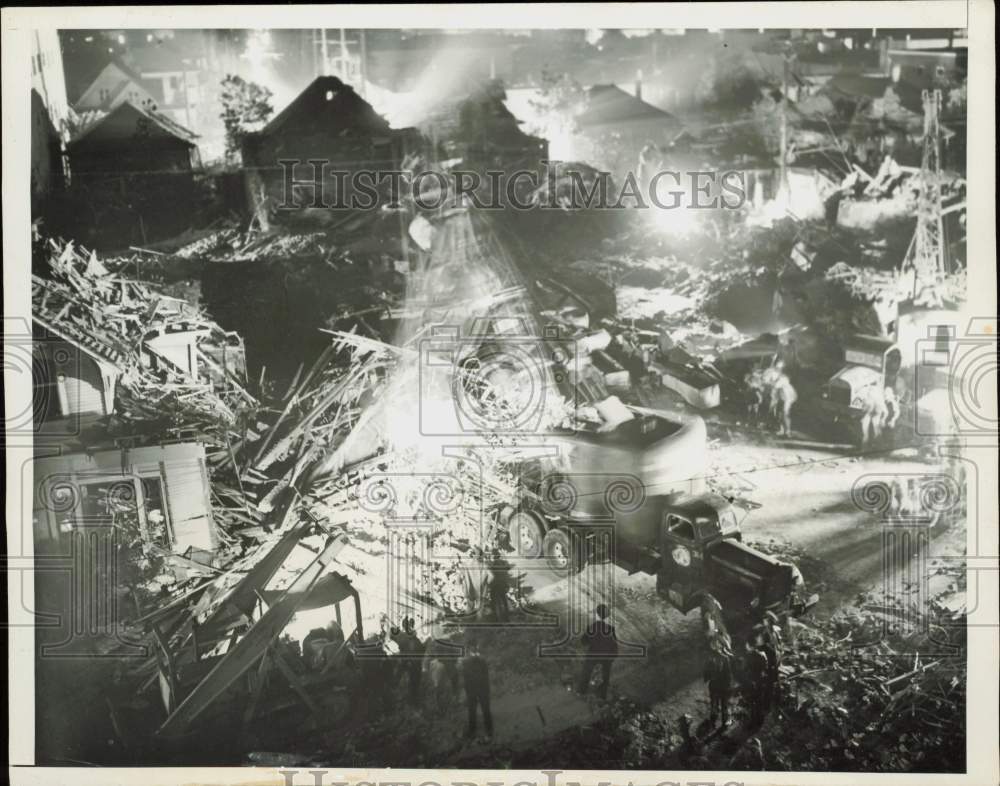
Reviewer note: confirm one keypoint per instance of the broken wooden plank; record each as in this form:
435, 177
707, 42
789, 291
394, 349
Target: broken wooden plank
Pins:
251, 647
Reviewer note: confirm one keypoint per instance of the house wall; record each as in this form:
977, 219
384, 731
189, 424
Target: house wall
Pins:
46, 154
181, 89
101, 96
66, 492
346, 153
923, 68
47, 77
128, 194
129, 156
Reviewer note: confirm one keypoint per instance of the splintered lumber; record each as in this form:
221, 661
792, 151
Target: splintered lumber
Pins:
253, 645
175, 603
120, 321
243, 597
292, 398
368, 344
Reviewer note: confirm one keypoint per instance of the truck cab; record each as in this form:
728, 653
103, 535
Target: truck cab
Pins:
871, 364
701, 552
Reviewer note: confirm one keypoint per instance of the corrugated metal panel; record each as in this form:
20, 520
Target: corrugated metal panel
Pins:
187, 502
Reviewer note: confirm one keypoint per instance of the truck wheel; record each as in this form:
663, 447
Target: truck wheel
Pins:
526, 533
563, 551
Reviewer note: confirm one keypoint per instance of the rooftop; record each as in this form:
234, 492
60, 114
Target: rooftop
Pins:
609, 105
125, 121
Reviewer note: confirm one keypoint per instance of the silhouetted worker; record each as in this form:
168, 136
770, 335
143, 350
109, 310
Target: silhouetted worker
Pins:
321, 644
499, 586
692, 750
413, 650
476, 675
600, 646
447, 654
719, 676
756, 687
769, 646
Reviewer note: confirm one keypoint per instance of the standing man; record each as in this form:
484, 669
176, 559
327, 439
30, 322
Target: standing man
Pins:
413, 650
499, 586
719, 677
600, 647
770, 648
476, 675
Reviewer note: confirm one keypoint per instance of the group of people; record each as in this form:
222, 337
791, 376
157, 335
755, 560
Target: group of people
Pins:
771, 395
437, 670
757, 673
396, 657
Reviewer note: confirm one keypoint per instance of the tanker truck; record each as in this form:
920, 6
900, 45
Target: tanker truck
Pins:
636, 496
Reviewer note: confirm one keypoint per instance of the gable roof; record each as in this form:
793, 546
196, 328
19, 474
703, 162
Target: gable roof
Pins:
116, 65
123, 121
125, 84
327, 104
610, 105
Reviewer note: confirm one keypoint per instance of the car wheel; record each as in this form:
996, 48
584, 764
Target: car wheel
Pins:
526, 533
563, 551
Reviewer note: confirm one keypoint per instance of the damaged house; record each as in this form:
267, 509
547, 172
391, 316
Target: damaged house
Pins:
123, 161
164, 487
106, 350
478, 129
327, 121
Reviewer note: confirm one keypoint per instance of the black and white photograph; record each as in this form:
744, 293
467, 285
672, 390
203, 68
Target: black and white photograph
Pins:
508, 394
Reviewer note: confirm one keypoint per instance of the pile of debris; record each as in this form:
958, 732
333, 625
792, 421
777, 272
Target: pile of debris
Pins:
878, 698
232, 245
179, 369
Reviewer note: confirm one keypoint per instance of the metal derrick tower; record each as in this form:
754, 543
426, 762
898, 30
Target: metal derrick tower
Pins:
926, 254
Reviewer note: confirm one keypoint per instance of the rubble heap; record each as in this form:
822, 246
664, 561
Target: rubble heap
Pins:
875, 697
121, 319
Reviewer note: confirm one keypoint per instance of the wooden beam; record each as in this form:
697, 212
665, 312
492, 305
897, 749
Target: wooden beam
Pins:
296, 684
257, 688
252, 646
244, 595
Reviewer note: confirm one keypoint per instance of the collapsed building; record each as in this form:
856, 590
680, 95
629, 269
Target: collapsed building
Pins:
477, 129
129, 386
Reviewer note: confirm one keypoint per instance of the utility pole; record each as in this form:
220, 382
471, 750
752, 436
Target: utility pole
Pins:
323, 54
